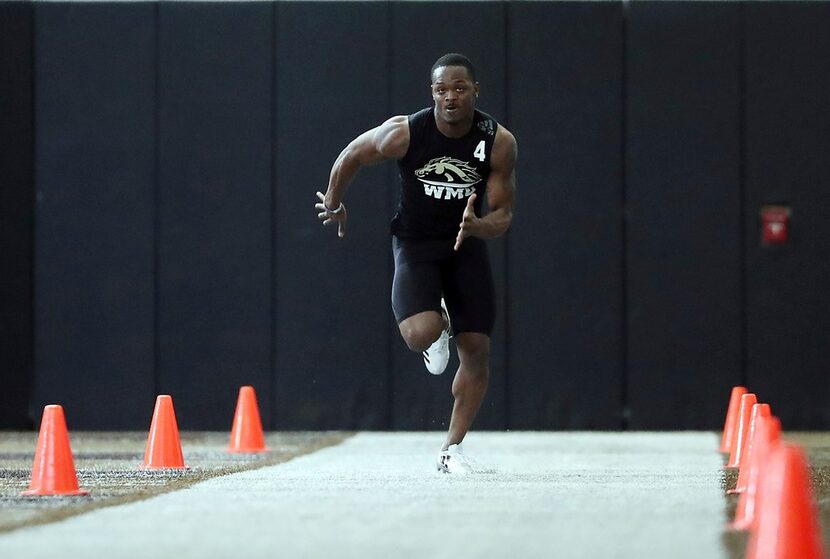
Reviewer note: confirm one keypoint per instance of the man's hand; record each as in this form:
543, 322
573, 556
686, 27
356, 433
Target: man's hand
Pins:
327, 216
468, 222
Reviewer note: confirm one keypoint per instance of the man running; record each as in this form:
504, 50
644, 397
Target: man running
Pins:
450, 156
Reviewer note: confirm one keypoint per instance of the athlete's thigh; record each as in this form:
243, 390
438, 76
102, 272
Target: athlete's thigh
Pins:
468, 288
416, 285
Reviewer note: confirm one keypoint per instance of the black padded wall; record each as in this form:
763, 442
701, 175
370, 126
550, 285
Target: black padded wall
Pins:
214, 207
94, 211
565, 260
418, 38
332, 309
159, 235
787, 121
16, 213
682, 202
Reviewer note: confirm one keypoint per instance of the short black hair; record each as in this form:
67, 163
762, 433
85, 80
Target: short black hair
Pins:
454, 59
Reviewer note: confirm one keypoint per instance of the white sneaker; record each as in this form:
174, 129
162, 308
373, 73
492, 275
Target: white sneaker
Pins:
453, 461
437, 355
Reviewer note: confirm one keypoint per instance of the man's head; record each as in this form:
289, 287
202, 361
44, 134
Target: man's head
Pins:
454, 88
454, 59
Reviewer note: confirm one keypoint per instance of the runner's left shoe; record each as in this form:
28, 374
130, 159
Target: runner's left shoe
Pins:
454, 461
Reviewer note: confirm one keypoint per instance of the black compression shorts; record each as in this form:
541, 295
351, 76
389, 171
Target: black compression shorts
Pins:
427, 269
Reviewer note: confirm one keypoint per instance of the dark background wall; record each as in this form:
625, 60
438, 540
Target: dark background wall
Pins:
333, 328
565, 271
213, 203
94, 253
16, 213
682, 188
158, 174
787, 142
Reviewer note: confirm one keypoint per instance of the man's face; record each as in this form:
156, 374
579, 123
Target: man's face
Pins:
454, 93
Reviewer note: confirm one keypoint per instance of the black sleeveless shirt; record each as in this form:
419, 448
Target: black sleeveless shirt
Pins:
439, 174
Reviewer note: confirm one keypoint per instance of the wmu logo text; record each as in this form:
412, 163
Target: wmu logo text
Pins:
445, 178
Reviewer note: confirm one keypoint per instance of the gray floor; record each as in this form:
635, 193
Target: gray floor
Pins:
564, 495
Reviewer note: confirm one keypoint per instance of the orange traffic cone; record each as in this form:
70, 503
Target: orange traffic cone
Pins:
788, 525
246, 433
767, 439
758, 411
164, 449
53, 471
742, 432
731, 423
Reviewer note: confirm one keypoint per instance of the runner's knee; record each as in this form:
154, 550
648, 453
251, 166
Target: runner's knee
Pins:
419, 335
418, 338
474, 351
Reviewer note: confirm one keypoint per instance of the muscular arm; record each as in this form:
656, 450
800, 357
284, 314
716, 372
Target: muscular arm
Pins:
501, 188
390, 140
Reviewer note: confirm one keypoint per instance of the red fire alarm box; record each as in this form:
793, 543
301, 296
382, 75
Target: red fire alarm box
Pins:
775, 224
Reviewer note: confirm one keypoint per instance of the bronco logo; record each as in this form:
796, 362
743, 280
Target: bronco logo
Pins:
452, 170
447, 178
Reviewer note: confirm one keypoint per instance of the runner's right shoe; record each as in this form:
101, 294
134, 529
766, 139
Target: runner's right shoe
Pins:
437, 355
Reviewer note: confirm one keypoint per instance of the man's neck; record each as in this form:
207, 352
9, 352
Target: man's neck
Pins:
455, 129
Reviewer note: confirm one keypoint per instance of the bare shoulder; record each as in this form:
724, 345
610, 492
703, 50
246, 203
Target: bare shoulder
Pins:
392, 137
505, 149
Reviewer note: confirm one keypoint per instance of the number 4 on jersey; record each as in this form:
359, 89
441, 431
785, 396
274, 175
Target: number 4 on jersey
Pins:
479, 151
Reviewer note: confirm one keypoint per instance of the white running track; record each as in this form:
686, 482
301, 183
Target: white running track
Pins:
562, 495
